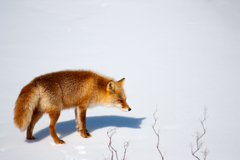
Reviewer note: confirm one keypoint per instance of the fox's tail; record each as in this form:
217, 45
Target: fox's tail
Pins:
26, 103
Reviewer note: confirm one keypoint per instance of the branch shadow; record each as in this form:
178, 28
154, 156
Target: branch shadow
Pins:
92, 123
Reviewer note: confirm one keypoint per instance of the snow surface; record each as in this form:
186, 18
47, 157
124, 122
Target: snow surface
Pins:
179, 56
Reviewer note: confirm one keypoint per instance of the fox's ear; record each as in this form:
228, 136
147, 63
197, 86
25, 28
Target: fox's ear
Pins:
111, 87
121, 82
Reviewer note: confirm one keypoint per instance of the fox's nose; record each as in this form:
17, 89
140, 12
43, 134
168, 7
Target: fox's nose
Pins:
129, 109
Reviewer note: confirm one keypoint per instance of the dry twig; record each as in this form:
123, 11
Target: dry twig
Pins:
126, 145
110, 134
199, 143
157, 133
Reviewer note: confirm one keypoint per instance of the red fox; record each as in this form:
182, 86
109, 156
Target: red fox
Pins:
50, 93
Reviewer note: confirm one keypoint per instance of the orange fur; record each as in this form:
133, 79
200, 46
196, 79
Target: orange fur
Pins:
53, 92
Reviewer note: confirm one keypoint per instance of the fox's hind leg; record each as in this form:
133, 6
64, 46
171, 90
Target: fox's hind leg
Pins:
52, 127
35, 117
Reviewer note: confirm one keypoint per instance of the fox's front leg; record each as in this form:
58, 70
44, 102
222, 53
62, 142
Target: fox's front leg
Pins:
77, 118
81, 122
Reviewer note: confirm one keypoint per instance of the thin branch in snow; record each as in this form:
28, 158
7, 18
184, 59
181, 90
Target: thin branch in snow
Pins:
198, 136
113, 151
205, 153
110, 134
126, 145
157, 133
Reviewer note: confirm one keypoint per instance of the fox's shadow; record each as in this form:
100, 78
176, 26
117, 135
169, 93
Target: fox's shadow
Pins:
92, 123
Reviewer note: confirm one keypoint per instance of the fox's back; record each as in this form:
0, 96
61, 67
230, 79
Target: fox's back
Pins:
66, 79
71, 86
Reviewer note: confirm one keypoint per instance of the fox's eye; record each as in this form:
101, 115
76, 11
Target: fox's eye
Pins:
120, 101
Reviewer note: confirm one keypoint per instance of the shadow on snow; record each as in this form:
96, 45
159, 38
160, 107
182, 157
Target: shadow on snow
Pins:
92, 123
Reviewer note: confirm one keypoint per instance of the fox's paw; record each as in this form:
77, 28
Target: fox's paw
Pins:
30, 138
85, 134
88, 134
60, 142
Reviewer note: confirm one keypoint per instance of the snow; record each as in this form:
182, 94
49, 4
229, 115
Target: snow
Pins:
178, 56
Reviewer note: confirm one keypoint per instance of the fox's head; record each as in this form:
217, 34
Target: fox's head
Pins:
116, 96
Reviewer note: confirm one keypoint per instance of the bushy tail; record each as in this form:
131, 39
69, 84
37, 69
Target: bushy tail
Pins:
25, 105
